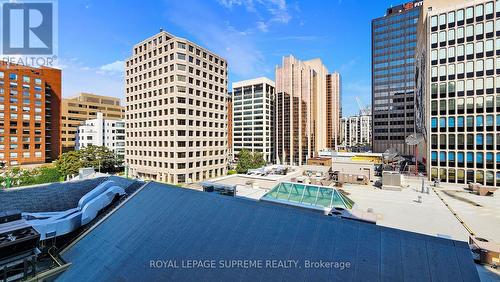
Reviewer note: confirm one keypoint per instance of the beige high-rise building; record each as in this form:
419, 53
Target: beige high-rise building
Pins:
303, 110
334, 109
82, 107
458, 63
176, 111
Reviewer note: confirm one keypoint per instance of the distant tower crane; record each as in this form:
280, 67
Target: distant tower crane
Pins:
363, 110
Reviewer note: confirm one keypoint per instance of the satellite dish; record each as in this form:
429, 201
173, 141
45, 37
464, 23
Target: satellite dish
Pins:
390, 154
414, 139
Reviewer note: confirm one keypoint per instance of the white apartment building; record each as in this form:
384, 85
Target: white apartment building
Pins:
355, 130
102, 132
459, 72
253, 116
176, 116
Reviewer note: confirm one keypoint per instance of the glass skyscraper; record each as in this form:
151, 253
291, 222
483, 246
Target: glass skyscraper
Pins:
394, 38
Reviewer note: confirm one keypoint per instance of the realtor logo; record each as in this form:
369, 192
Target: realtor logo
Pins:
27, 28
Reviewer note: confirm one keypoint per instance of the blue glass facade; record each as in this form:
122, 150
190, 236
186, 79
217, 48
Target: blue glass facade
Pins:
394, 39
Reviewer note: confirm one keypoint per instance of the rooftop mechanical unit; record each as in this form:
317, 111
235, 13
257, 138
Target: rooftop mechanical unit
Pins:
18, 246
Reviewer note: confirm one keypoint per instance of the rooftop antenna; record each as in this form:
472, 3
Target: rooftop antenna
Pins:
414, 140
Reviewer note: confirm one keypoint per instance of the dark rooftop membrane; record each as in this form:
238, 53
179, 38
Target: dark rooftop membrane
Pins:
55, 196
176, 226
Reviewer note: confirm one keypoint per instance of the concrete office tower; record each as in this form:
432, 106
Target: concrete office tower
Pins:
229, 109
176, 119
82, 107
301, 110
253, 116
334, 109
30, 114
356, 131
460, 61
394, 39
102, 132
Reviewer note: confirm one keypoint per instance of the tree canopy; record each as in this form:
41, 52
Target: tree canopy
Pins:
98, 157
248, 160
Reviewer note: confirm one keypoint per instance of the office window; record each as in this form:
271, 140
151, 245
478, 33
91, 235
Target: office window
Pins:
469, 49
451, 69
488, 8
469, 13
442, 37
489, 46
451, 17
434, 38
434, 55
479, 66
479, 29
460, 33
460, 68
442, 19
479, 10
488, 28
460, 50
434, 21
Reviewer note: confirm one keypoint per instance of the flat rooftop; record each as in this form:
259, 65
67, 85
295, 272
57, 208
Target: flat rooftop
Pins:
159, 223
55, 196
480, 213
401, 210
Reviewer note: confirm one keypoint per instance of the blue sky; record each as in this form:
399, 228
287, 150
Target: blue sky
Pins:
95, 37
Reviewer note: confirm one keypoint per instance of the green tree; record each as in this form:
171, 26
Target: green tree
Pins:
99, 157
244, 161
69, 163
258, 160
49, 175
248, 160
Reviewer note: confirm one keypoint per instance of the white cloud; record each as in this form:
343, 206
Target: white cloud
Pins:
270, 10
115, 67
210, 31
262, 26
279, 10
102, 80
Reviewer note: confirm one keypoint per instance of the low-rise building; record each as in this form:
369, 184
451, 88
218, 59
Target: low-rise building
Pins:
82, 107
102, 132
356, 131
253, 116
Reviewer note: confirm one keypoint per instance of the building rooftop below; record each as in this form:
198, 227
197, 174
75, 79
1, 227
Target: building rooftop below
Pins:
55, 196
157, 235
308, 196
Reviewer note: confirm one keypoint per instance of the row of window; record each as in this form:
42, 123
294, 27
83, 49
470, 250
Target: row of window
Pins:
151, 94
463, 176
183, 165
462, 34
469, 123
466, 15
179, 100
469, 105
462, 52
469, 87
465, 159
26, 79
470, 141
154, 46
15, 155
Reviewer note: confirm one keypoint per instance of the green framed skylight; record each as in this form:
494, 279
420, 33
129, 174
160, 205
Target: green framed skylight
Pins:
309, 196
